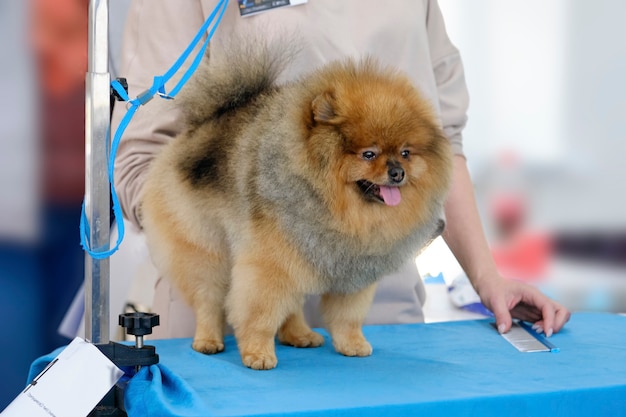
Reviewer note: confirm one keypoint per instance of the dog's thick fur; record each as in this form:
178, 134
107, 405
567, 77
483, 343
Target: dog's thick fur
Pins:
273, 192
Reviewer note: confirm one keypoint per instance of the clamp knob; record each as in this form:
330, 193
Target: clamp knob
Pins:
138, 324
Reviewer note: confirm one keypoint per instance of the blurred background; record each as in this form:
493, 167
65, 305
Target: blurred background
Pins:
43, 64
544, 145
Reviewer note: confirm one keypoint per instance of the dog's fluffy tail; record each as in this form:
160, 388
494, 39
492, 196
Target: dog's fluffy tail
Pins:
234, 74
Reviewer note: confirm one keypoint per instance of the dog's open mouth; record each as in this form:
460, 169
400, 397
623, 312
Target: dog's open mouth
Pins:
383, 193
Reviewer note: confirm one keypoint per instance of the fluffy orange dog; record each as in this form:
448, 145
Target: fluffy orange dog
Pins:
319, 186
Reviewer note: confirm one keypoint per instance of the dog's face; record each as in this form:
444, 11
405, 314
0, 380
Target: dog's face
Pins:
389, 146
383, 175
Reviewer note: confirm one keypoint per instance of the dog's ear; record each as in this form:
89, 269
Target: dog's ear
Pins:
323, 108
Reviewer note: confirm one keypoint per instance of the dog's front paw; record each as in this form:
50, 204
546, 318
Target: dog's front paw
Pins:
208, 346
354, 346
259, 361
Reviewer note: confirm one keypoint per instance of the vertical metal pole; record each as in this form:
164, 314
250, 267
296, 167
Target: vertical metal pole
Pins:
97, 148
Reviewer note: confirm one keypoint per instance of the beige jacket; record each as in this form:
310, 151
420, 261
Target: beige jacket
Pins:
408, 34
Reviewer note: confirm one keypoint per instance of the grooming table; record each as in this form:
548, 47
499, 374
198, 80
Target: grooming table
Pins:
445, 369
451, 369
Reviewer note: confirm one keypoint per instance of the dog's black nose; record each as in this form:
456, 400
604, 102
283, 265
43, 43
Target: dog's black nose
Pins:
396, 174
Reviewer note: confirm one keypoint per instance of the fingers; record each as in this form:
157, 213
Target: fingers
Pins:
561, 316
537, 309
502, 314
527, 303
548, 314
554, 315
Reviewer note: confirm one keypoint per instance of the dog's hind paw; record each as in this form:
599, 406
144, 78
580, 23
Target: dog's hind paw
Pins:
353, 347
309, 339
259, 361
208, 346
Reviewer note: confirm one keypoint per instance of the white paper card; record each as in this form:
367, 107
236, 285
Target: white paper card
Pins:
71, 386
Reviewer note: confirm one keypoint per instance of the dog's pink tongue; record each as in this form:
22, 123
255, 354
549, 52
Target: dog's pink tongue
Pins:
391, 195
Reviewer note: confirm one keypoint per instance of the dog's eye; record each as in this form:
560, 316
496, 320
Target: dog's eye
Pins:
368, 155
405, 154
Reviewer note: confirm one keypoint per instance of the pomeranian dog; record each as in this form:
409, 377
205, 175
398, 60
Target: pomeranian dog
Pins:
272, 192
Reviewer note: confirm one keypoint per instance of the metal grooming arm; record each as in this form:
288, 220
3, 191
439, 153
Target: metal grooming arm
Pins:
97, 148
97, 211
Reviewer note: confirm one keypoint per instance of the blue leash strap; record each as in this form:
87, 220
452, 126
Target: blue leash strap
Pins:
157, 88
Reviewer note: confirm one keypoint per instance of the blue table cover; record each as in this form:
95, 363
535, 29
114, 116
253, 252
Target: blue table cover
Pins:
444, 369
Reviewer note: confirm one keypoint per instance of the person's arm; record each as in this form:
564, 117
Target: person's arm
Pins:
464, 233
505, 298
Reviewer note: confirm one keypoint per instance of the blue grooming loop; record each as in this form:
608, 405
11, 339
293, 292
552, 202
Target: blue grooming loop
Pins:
100, 156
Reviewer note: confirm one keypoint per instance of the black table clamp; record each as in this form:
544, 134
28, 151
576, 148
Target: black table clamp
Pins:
127, 356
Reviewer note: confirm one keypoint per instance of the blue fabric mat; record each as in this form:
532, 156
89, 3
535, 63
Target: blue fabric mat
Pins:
443, 369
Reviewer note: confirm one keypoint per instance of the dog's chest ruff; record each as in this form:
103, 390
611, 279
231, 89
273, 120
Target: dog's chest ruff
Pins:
343, 265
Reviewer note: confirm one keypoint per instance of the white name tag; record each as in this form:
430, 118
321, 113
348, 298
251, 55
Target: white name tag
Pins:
71, 386
250, 7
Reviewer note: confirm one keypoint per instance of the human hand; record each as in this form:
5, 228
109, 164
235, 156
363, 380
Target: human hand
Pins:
508, 299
